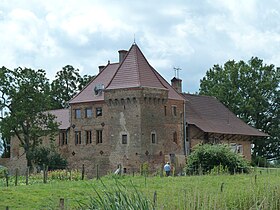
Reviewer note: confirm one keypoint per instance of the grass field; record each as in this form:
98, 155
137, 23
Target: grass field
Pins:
258, 190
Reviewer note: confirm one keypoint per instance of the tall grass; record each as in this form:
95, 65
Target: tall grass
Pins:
258, 190
118, 197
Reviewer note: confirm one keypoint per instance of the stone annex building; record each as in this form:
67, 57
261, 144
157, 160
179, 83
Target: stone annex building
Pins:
129, 115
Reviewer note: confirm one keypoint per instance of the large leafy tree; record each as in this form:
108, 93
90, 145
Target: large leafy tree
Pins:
66, 84
251, 91
24, 97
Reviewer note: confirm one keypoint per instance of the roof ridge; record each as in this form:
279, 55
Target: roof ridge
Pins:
137, 63
152, 68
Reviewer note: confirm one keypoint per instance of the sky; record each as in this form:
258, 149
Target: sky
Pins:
192, 35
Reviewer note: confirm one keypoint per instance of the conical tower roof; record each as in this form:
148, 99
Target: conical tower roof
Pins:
135, 71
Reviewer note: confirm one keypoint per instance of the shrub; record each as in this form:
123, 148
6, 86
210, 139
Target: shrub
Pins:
49, 157
209, 157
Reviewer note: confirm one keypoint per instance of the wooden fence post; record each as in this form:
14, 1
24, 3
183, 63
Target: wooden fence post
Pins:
61, 203
155, 199
44, 173
97, 171
47, 169
83, 171
16, 180
27, 175
7, 178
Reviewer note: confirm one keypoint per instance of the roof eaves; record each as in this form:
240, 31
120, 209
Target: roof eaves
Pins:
87, 84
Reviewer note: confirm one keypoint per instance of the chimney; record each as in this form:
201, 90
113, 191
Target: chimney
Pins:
101, 68
177, 84
122, 54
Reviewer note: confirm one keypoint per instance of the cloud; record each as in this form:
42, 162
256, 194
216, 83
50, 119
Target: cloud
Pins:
192, 35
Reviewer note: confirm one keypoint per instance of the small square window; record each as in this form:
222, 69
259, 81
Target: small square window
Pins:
78, 113
98, 111
88, 112
124, 139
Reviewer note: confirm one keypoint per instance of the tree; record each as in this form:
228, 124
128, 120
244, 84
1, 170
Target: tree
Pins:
67, 83
25, 100
251, 91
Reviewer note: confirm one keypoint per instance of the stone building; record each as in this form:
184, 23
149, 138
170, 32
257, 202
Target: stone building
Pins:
129, 115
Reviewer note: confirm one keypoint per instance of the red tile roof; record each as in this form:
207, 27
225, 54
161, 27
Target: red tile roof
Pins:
210, 115
62, 117
103, 78
133, 71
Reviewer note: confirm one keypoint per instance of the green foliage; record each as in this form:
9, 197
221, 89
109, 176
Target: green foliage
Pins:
206, 157
251, 90
3, 171
49, 157
67, 83
258, 190
144, 169
24, 97
118, 196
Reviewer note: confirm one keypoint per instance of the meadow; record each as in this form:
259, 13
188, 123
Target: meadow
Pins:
258, 190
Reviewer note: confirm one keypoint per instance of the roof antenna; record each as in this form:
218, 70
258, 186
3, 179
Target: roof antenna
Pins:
134, 39
176, 70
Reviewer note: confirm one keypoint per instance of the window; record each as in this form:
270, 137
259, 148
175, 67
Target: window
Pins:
239, 149
153, 137
236, 148
63, 138
98, 111
165, 110
175, 137
88, 137
88, 112
78, 113
78, 137
98, 136
174, 110
124, 139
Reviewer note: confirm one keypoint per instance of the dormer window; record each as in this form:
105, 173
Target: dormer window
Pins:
98, 89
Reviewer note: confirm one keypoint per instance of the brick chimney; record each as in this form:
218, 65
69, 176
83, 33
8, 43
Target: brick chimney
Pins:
122, 54
177, 84
101, 68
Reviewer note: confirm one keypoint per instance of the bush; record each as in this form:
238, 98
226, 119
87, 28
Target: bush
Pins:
49, 157
209, 157
3, 171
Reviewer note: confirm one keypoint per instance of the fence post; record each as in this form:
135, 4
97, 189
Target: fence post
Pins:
61, 203
155, 199
47, 169
7, 178
44, 173
16, 180
97, 171
83, 171
27, 175
222, 187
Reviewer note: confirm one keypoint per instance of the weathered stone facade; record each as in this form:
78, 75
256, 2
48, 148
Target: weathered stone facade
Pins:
138, 126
